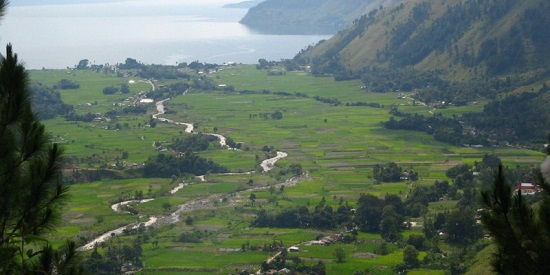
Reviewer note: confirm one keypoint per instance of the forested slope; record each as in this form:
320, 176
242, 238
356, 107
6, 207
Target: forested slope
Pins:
464, 38
449, 53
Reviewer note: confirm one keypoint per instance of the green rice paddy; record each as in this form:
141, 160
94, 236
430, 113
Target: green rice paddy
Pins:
337, 145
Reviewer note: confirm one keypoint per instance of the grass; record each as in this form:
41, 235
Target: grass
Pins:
480, 262
442, 206
337, 145
427, 272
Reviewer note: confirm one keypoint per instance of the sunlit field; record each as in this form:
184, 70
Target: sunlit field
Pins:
337, 145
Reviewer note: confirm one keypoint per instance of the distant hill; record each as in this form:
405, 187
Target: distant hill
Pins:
463, 38
243, 5
308, 16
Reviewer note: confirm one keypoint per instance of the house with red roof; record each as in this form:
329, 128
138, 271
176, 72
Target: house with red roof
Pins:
526, 188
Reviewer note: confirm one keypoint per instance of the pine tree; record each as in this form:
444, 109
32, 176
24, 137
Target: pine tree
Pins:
521, 232
31, 190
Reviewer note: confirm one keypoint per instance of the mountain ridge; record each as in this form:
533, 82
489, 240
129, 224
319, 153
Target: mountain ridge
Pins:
307, 16
463, 38
243, 5
451, 53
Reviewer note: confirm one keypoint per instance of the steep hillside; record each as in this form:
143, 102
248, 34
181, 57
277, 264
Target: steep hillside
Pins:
452, 53
308, 16
464, 38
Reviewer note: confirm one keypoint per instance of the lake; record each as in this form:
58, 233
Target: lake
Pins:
153, 32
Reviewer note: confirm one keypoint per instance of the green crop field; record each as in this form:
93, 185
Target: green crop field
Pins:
338, 146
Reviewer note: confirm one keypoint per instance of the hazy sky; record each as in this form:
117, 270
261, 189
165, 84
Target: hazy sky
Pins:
56, 34
43, 2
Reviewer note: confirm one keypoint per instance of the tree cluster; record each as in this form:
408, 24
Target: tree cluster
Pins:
277, 115
195, 236
115, 255
442, 128
193, 143
47, 103
135, 109
360, 103
381, 80
66, 84
264, 64
162, 72
86, 117
329, 101
165, 166
384, 216
295, 264
169, 91
515, 118
111, 90
391, 172
131, 63
322, 217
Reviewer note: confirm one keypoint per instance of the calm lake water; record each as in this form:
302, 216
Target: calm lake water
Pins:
153, 32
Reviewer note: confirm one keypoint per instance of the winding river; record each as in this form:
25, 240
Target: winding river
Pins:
205, 203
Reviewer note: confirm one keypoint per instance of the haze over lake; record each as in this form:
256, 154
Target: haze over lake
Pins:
154, 32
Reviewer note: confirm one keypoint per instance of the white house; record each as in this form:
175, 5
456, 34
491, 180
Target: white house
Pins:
293, 249
146, 101
526, 188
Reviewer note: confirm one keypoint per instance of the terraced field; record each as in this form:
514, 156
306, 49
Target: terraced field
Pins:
337, 146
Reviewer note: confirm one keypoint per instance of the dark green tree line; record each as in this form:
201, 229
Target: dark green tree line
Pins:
165, 166
47, 103
30, 181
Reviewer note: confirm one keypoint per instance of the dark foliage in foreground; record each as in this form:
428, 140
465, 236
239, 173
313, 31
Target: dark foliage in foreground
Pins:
520, 231
30, 182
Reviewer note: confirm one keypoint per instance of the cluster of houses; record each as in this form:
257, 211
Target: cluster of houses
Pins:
322, 242
326, 240
277, 272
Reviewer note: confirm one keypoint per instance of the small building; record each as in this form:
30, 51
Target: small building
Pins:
293, 249
317, 243
146, 101
526, 188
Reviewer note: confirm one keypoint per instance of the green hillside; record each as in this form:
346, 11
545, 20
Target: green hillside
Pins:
308, 16
451, 53
463, 38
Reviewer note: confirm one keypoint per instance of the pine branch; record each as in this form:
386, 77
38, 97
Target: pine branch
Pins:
501, 218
